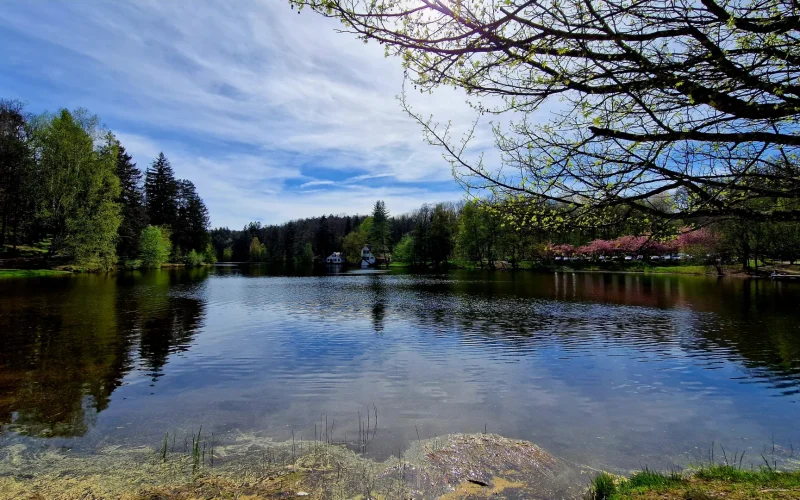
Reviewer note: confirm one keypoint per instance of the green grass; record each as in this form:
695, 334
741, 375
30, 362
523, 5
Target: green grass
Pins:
604, 487
714, 481
30, 273
35, 250
764, 476
687, 269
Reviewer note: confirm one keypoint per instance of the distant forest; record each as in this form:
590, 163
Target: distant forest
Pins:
480, 232
70, 194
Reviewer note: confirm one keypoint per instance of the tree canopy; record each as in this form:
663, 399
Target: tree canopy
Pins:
131, 200
678, 109
15, 161
77, 187
70, 193
380, 231
161, 190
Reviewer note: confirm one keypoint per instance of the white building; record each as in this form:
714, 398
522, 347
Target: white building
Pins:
335, 258
367, 259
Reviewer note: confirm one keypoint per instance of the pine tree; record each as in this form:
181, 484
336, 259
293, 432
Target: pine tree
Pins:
161, 191
15, 163
289, 241
131, 199
380, 232
190, 231
323, 239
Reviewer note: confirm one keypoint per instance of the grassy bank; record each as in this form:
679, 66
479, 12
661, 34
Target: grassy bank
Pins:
611, 267
31, 273
620, 267
67, 270
706, 483
687, 269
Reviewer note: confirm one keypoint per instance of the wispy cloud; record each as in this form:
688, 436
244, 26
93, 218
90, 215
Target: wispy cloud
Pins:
368, 176
316, 183
252, 102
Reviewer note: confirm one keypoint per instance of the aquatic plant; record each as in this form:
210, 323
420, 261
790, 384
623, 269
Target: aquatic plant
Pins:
603, 487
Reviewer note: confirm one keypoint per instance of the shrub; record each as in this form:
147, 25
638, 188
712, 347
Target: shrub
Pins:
154, 246
193, 259
403, 251
603, 487
132, 264
210, 255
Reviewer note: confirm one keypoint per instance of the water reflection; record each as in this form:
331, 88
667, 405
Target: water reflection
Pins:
580, 363
378, 302
67, 344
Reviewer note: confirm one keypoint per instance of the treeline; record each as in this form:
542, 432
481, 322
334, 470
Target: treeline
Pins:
68, 185
295, 241
480, 232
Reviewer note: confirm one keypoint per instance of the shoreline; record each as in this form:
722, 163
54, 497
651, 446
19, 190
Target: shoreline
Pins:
732, 271
448, 467
684, 270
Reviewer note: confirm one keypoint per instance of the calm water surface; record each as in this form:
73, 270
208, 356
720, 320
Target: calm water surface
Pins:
616, 371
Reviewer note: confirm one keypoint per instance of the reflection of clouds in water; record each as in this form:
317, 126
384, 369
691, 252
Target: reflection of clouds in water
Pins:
630, 368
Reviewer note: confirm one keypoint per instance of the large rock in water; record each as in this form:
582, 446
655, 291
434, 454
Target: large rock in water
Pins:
485, 465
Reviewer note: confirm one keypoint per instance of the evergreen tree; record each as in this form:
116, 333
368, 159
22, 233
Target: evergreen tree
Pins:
131, 199
381, 231
161, 191
348, 225
15, 162
190, 232
323, 239
289, 241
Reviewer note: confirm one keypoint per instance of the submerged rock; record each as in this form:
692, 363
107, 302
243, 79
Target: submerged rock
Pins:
454, 466
482, 465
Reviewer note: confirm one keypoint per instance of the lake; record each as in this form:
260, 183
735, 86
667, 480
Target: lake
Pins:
617, 371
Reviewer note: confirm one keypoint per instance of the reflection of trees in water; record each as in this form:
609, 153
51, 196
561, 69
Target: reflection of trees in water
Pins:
61, 357
168, 329
378, 295
751, 323
67, 344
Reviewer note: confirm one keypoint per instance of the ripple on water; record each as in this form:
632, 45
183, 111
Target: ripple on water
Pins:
634, 367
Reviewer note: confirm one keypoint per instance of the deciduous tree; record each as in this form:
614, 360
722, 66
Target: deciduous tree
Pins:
78, 187
682, 109
154, 246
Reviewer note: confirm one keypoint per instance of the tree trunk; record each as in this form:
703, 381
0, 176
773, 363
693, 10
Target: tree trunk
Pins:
3, 229
745, 257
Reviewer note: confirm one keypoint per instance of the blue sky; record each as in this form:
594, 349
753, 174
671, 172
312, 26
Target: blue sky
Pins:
271, 114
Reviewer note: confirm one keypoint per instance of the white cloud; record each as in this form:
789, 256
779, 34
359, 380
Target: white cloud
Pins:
316, 183
368, 176
243, 96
